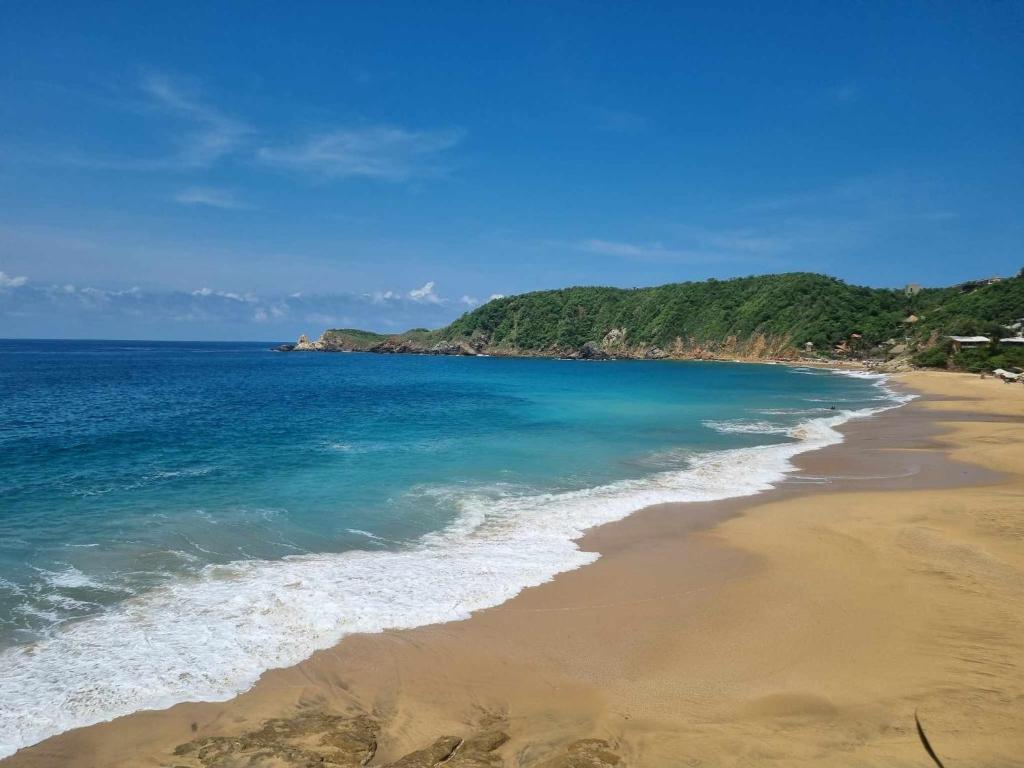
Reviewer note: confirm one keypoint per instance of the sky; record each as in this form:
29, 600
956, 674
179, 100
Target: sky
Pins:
259, 170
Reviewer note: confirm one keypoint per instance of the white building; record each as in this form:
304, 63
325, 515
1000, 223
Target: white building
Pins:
969, 342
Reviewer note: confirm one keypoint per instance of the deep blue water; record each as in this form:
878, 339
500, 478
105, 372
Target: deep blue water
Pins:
333, 492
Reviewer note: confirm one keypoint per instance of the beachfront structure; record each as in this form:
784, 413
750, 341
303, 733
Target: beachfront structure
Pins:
969, 342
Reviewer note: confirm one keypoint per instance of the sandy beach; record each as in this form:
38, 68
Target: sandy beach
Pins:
803, 626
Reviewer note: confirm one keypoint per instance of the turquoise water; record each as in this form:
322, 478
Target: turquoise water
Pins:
176, 518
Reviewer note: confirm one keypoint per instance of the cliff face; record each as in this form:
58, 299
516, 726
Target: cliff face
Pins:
614, 346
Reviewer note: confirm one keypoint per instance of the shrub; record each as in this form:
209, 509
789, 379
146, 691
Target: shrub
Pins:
933, 357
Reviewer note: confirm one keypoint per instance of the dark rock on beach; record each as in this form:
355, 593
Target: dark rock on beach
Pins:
347, 741
312, 738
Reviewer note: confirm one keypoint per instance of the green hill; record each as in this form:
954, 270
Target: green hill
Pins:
755, 317
780, 310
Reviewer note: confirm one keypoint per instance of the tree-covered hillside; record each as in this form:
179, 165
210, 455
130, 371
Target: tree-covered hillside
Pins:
757, 317
794, 308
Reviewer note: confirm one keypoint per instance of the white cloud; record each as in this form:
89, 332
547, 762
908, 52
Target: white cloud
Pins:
207, 292
210, 197
211, 313
425, 294
494, 296
469, 301
9, 281
382, 152
99, 293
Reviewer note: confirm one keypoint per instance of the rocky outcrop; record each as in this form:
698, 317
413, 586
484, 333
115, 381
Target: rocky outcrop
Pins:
591, 351
342, 741
314, 738
614, 345
586, 753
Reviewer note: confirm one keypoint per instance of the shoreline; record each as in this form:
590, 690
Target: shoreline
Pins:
543, 708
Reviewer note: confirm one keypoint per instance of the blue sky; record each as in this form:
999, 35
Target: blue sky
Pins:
252, 171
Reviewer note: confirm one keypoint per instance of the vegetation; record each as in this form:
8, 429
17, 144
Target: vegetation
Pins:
769, 314
797, 307
353, 338
801, 307
936, 356
986, 358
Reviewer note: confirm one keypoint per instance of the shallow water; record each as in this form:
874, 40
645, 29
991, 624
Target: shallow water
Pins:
176, 518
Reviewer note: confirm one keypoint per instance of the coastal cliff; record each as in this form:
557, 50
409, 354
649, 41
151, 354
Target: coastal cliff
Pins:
769, 317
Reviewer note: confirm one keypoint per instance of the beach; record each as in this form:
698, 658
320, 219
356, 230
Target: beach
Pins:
801, 626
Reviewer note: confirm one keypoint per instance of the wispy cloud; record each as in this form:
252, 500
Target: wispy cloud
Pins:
211, 198
200, 133
203, 135
207, 292
388, 153
699, 245
655, 252
213, 134
9, 281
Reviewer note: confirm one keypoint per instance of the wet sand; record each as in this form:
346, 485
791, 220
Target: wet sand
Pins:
803, 626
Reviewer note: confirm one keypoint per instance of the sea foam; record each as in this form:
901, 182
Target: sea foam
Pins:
210, 637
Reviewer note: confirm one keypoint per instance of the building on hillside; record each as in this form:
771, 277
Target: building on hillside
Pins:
1013, 341
973, 285
969, 342
911, 289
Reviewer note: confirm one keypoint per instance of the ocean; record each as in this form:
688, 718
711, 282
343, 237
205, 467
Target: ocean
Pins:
177, 518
